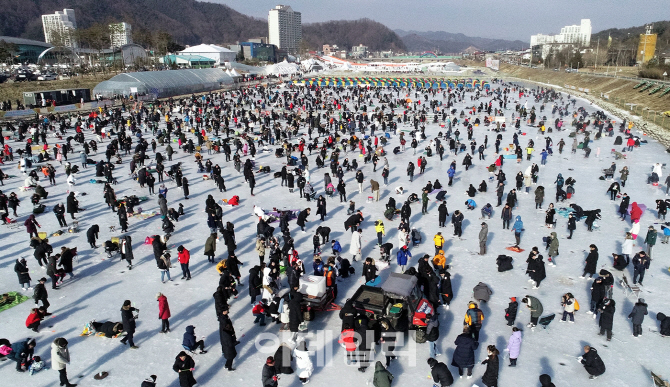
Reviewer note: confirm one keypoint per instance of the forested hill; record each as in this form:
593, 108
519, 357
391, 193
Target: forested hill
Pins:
188, 21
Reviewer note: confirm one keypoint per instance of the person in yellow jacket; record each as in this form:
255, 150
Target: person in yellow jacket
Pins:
221, 266
529, 152
474, 318
379, 228
438, 239
439, 261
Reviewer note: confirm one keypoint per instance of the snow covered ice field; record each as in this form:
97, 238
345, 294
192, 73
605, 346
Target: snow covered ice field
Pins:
101, 285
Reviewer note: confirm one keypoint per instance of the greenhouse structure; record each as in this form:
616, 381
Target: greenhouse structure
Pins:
163, 84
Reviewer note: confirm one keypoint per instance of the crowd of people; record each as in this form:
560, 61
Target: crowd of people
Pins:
193, 146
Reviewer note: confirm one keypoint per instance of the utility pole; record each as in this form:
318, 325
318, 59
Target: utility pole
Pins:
595, 64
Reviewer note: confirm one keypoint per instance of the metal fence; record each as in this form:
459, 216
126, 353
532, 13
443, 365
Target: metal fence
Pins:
654, 116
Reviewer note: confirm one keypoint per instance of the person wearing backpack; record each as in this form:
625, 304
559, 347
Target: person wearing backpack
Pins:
473, 319
570, 306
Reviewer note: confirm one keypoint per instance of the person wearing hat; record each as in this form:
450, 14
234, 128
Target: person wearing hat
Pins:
511, 311
184, 366
228, 338
191, 342
60, 358
128, 320
40, 294
22, 271
59, 211
650, 239
269, 376
149, 382
163, 312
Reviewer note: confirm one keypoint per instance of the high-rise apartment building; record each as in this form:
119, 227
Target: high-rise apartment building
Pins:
285, 28
122, 34
59, 28
578, 35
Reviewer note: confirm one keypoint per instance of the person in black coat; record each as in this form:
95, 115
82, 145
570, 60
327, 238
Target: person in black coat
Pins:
592, 362
665, 324
72, 205
445, 290
365, 343
464, 355
108, 328
66, 258
40, 294
128, 321
321, 207
283, 360
158, 247
572, 224
511, 311
440, 373
21, 269
302, 218
591, 262
269, 375
607, 309
252, 182
442, 212
255, 283
228, 339
92, 235
150, 381
220, 302
184, 186
59, 211
457, 221
183, 364
490, 377
295, 310
348, 314
122, 213
353, 222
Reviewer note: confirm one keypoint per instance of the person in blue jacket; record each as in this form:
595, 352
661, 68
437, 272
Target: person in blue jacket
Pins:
471, 204
402, 257
21, 353
517, 228
190, 342
451, 172
337, 248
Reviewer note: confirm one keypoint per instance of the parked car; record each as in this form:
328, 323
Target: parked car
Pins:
47, 77
399, 301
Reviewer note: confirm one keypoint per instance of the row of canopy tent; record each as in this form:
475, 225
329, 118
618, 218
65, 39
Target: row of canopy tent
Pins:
434, 83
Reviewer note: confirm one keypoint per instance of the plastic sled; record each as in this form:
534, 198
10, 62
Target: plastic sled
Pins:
515, 249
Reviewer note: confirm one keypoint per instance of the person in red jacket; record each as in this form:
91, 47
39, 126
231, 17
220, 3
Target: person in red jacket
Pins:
163, 312
184, 257
349, 342
35, 318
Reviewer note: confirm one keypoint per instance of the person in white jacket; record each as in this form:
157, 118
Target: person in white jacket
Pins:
269, 285
60, 358
355, 246
627, 246
71, 181
303, 363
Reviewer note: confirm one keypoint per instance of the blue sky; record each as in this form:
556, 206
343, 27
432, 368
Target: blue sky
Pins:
509, 19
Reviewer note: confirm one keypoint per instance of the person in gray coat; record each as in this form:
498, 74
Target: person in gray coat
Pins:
162, 202
60, 358
637, 316
483, 238
536, 309
481, 292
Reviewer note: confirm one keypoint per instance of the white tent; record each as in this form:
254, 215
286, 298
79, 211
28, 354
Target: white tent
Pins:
282, 68
218, 53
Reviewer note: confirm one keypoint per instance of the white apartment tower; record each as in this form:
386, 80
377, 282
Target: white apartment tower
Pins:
122, 34
60, 26
575, 34
285, 28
